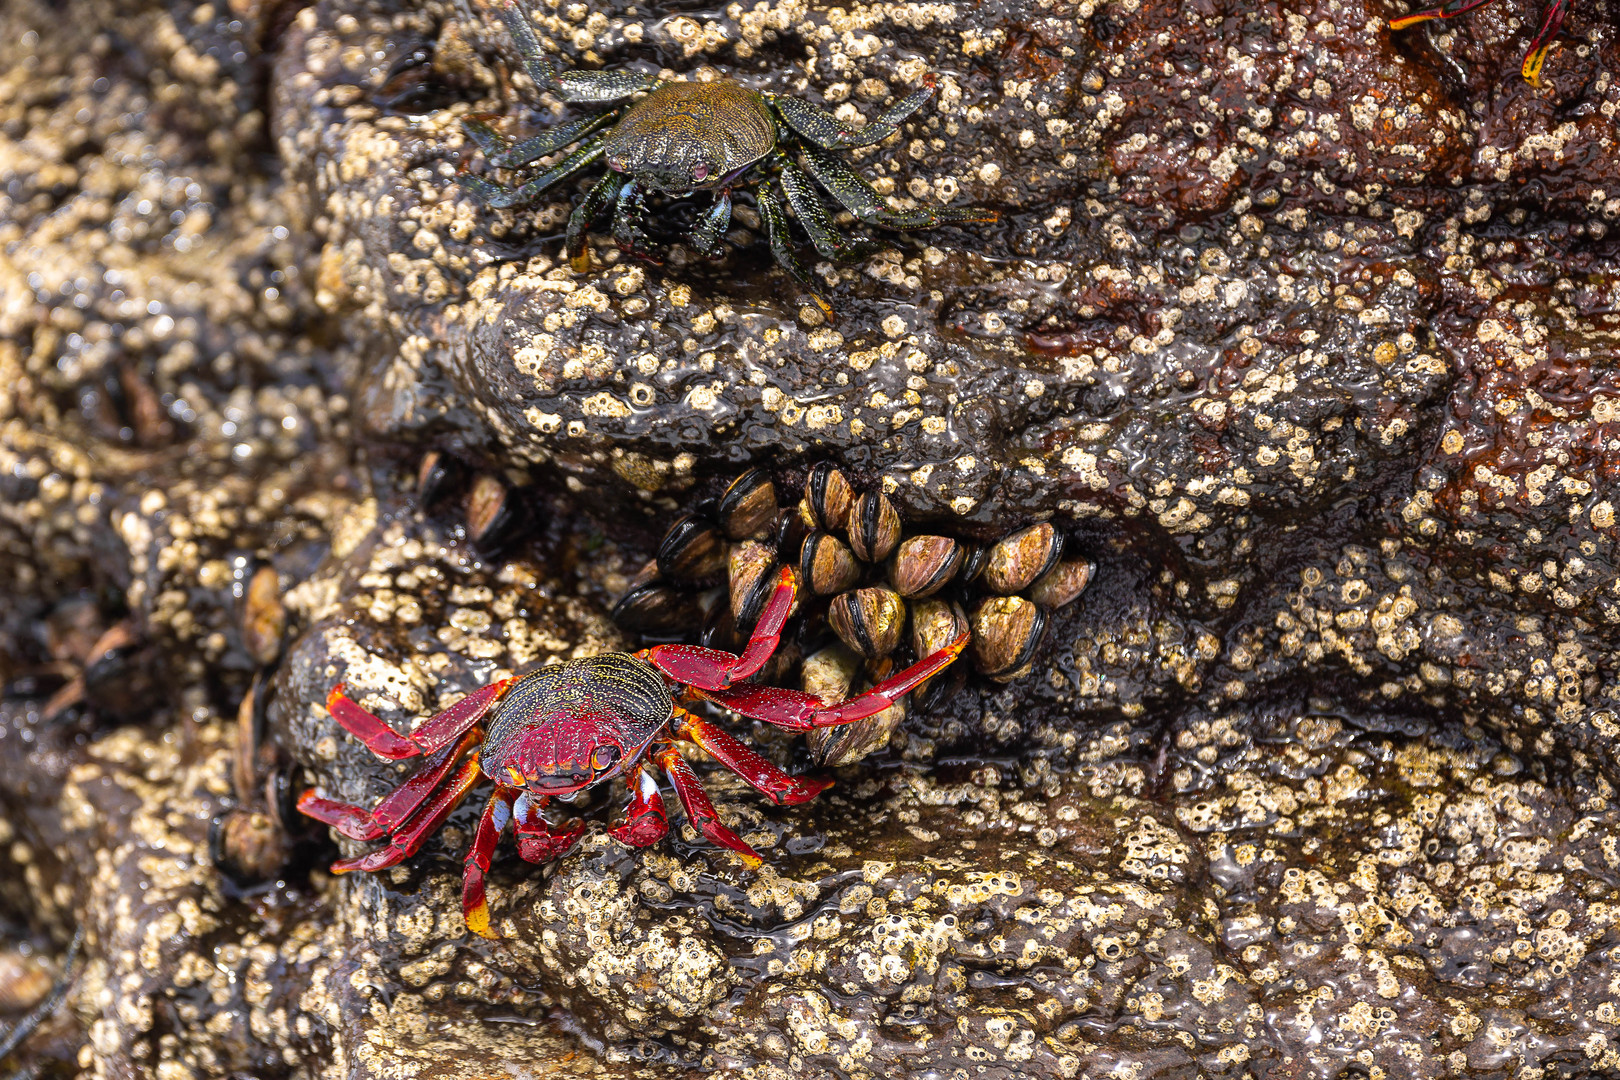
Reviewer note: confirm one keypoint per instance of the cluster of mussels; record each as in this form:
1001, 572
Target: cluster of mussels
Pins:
862, 581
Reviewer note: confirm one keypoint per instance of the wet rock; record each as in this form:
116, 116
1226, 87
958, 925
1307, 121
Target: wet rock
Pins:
1300, 329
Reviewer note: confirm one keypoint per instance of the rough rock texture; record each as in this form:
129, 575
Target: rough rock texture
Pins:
1306, 332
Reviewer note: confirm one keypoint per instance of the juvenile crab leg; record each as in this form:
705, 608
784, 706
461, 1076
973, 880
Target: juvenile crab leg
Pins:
824, 129
474, 903
714, 669
504, 154
699, 810
358, 823
500, 198
437, 732
797, 710
1551, 20
409, 839
578, 87
537, 841
781, 788
644, 821
579, 222
707, 233
776, 233
813, 215
859, 198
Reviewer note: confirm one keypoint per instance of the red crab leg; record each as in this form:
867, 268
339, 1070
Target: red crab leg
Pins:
358, 823
712, 669
439, 731
1450, 9
1551, 20
537, 842
800, 711
405, 843
644, 821
699, 810
776, 785
474, 904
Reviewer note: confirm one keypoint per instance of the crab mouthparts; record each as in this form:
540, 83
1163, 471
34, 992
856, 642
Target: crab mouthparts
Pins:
616, 164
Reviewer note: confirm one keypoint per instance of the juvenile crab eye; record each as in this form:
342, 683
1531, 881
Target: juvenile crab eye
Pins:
603, 757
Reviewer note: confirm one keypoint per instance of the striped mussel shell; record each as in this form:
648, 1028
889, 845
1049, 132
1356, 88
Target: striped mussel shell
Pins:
873, 598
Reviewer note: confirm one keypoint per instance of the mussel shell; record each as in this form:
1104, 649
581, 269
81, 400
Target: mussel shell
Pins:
692, 550
264, 617
829, 673
656, 608
489, 511
934, 625
826, 565
645, 576
1063, 583
1016, 562
923, 565
868, 620
435, 474
1006, 632
748, 506
751, 563
845, 744
974, 556
247, 846
874, 527
827, 497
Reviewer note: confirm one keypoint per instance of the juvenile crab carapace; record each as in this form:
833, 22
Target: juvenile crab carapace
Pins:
564, 728
701, 136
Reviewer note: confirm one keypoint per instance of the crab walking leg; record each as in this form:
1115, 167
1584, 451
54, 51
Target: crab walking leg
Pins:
714, 669
645, 822
438, 731
578, 87
537, 842
1551, 21
579, 222
474, 903
706, 234
627, 217
504, 154
776, 234
410, 838
781, 788
358, 823
797, 710
813, 215
823, 128
699, 810
1448, 10
501, 198
860, 199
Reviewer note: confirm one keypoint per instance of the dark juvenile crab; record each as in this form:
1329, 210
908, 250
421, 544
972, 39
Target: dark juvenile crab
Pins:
565, 728
684, 137
1552, 18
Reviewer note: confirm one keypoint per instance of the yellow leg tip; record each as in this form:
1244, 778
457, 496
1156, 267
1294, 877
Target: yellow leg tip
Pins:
478, 922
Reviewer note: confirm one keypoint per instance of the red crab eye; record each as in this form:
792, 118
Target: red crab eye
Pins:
603, 757
700, 173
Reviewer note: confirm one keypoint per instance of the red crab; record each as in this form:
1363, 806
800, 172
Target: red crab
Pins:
1552, 18
564, 728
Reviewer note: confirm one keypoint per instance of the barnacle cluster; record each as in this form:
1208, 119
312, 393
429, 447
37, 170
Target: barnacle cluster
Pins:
874, 593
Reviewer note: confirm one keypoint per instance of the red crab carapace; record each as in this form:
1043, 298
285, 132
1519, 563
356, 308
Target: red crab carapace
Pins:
564, 728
